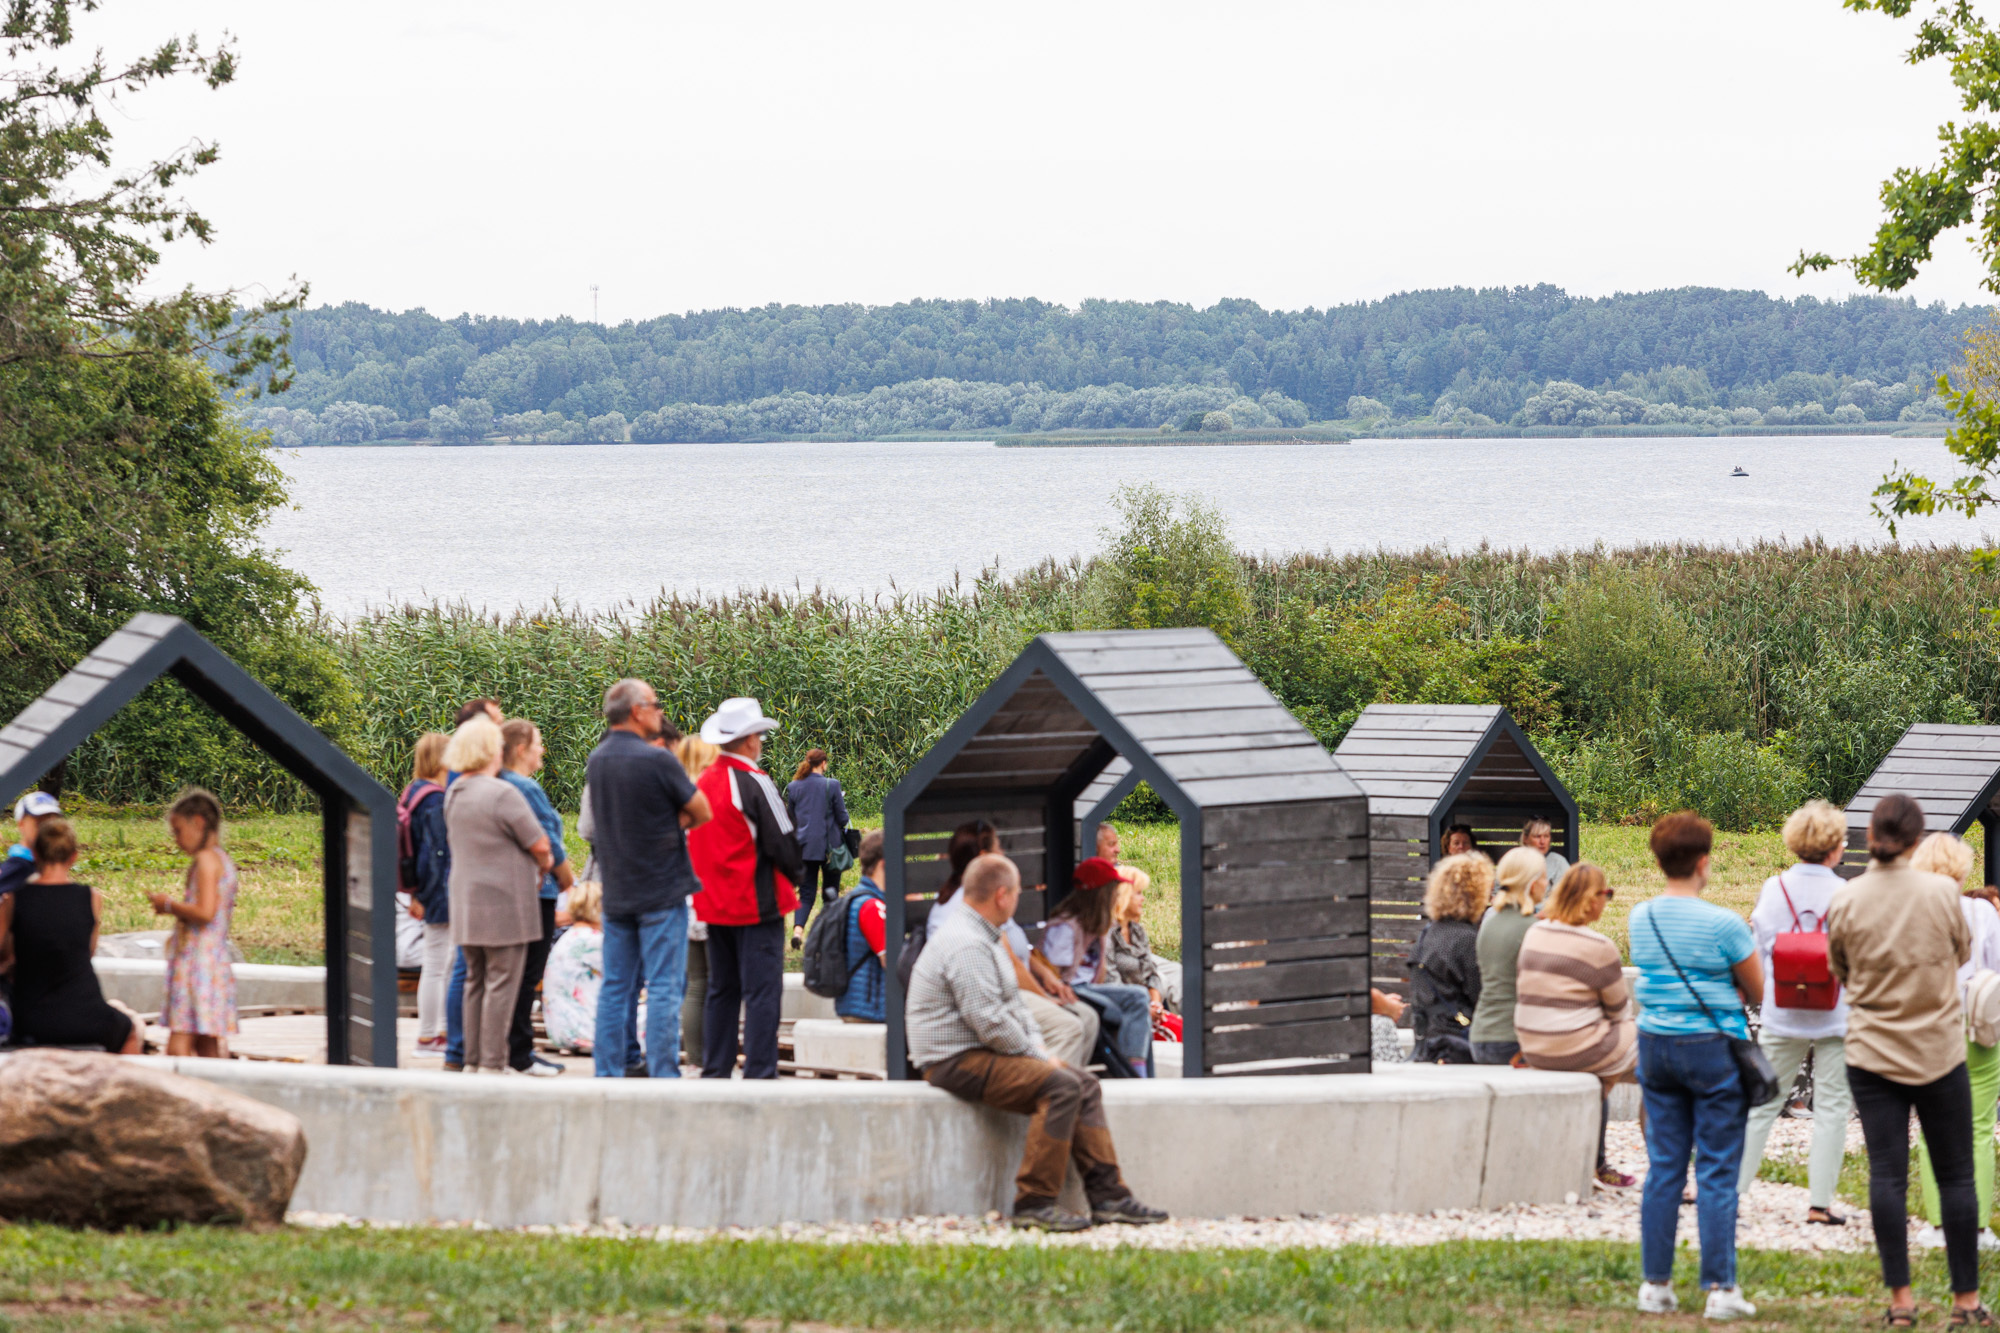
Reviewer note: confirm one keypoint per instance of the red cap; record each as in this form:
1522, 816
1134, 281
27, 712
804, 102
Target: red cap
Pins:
1095, 874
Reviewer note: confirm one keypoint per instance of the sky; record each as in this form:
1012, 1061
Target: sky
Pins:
501, 158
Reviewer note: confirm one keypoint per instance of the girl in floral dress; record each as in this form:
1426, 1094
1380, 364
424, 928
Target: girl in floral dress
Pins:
201, 984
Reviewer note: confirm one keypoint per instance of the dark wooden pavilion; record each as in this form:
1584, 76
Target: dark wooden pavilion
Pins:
1952, 771
1425, 768
358, 814
1274, 848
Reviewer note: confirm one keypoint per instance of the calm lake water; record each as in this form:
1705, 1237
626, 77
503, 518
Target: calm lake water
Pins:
605, 525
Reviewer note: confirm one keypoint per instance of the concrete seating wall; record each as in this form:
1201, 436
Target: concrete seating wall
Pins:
395, 1145
142, 983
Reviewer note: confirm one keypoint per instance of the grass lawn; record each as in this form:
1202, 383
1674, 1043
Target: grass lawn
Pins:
129, 852
218, 1279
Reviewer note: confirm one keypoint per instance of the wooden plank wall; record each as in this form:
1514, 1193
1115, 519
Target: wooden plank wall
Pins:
1285, 938
1398, 864
927, 835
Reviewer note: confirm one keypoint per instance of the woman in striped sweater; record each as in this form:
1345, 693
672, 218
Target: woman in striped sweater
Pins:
1572, 1008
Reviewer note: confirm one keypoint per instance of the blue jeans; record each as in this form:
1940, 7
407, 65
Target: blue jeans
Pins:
454, 1011
1694, 1104
1128, 1009
652, 945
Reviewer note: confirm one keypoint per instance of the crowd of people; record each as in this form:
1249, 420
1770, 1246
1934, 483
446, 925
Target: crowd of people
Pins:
668, 947
1887, 984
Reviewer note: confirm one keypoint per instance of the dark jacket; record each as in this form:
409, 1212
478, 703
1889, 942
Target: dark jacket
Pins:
433, 856
1444, 984
819, 814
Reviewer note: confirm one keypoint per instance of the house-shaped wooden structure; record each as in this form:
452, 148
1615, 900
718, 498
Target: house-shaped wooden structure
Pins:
1274, 847
358, 814
1425, 768
1953, 772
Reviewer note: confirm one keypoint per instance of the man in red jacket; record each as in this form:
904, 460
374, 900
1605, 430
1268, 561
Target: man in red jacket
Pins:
747, 861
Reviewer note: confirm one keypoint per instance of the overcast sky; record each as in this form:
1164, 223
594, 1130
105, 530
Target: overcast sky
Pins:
501, 157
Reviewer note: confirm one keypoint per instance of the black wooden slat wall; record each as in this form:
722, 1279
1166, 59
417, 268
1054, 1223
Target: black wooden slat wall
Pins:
1285, 937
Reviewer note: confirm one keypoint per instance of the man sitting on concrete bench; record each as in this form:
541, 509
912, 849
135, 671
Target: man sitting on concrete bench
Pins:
972, 1036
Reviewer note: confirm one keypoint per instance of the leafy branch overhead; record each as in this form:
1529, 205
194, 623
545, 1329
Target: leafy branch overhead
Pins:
1920, 205
72, 258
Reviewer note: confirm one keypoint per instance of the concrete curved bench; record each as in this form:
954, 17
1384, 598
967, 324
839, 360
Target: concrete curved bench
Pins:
394, 1145
142, 983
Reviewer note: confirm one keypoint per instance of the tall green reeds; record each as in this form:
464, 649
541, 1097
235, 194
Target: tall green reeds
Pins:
872, 682
1824, 654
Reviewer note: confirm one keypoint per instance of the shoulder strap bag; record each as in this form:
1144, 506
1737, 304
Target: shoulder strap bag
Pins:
1760, 1081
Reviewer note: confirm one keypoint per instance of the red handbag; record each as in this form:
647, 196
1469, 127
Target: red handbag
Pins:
1801, 973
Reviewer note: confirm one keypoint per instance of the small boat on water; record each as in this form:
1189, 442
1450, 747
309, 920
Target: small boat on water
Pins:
1739, 472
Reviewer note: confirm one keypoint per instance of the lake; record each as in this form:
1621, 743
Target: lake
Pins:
602, 526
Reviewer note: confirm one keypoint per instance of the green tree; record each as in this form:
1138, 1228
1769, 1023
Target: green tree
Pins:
125, 482
1170, 563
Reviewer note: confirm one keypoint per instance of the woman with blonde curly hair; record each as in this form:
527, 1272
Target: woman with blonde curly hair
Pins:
1523, 880
1444, 964
1794, 902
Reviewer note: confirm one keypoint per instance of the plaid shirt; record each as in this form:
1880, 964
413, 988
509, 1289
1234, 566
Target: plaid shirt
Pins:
963, 995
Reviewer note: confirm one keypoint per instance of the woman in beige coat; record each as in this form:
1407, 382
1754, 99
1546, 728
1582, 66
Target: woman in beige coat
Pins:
1895, 939
498, 856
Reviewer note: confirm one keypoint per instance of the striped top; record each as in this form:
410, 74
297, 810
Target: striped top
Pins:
1707, 941
1573, 1010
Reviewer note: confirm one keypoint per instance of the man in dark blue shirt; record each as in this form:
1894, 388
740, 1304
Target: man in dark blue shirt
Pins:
642, 805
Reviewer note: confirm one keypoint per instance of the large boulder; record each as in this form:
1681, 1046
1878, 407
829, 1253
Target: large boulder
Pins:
104, 1141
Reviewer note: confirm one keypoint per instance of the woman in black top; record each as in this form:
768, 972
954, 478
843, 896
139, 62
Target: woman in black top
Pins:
50, 925
1444, 965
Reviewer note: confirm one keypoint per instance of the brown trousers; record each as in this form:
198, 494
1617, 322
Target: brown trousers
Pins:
492, 981
1066, 1120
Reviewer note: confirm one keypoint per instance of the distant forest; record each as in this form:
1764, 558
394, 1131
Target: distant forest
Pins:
1529, 356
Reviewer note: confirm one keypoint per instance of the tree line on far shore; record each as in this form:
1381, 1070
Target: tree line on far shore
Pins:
1526, 356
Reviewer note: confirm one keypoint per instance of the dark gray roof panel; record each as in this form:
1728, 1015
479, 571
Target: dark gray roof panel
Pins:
1417, 758
1953, 772
1179, 696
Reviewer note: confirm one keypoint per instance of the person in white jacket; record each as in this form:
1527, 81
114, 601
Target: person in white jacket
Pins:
1797, 900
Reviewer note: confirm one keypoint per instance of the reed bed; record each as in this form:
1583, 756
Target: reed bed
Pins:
1766, 611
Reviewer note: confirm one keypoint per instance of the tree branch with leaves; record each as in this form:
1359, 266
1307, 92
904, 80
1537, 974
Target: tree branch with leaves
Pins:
1919, 206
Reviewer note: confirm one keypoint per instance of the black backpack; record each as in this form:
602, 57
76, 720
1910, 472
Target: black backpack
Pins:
824, 962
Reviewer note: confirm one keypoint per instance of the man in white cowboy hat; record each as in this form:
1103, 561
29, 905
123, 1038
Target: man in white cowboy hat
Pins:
748, 863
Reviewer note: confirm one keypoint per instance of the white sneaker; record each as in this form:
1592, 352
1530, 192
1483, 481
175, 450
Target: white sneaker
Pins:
1930, 1238
1728, 1303
1987, 1240
1657, 1298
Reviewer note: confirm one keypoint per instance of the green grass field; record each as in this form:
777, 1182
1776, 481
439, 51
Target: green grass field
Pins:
128, 853
463, 1280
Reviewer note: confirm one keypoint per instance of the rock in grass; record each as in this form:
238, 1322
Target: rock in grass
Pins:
101, 1141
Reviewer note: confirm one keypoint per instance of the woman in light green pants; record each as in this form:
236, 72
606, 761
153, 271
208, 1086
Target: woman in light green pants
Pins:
1943, 854
1797, 900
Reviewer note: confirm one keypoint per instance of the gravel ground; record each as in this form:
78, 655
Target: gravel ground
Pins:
1771, 1218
